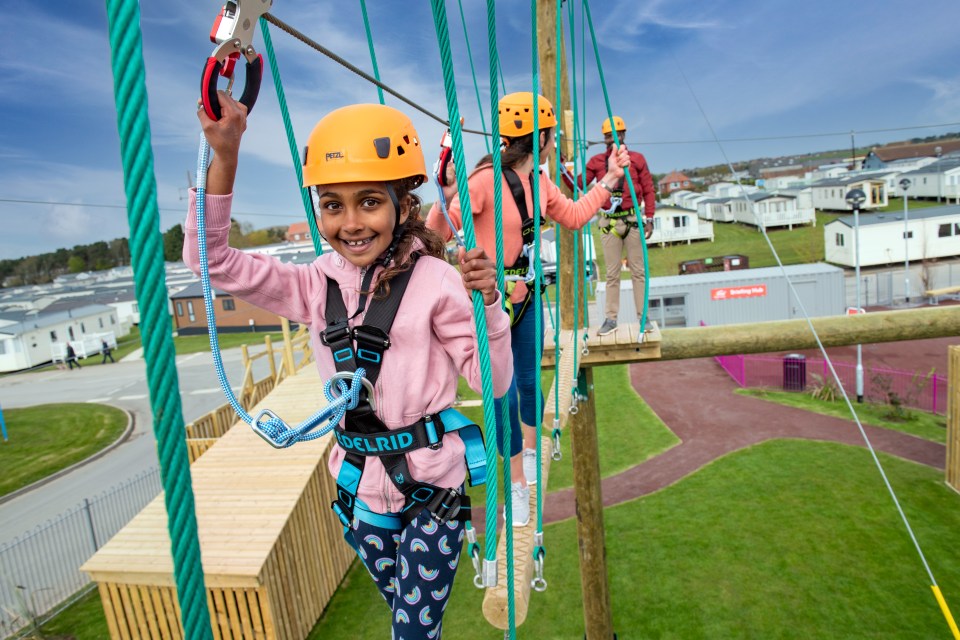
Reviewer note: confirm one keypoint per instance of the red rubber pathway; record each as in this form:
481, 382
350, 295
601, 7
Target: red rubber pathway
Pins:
712, 421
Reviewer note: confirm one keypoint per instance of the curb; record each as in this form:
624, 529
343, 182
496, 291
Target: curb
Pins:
131, 423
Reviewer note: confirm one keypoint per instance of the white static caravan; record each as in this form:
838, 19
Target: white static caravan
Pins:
717, 209
939, 179
831, 194
933, 232
677, 224
27, 339
768, 209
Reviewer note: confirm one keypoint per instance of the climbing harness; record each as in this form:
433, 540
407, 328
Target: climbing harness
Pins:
523, 268
365, 435
233, 34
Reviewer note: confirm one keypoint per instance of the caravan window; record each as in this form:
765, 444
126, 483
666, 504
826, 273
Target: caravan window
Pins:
839, 240
947, 230
3, 347
53, 336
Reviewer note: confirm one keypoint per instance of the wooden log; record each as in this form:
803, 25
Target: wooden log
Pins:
495, 603
945, 291
782, 335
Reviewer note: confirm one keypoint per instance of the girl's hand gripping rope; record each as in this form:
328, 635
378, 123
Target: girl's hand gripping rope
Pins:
479, 273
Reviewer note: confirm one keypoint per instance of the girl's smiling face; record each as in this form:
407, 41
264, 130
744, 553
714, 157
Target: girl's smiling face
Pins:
358, 219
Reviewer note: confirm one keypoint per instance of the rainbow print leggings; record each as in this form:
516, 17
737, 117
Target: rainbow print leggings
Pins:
414, 570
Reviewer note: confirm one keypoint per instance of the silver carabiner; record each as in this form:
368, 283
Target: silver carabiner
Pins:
347, 375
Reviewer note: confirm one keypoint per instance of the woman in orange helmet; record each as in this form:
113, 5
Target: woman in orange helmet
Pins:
517, 138
399, 457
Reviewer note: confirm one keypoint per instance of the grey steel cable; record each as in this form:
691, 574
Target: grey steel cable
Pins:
272, 19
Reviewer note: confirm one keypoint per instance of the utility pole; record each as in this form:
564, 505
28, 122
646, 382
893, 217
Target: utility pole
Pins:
597, 612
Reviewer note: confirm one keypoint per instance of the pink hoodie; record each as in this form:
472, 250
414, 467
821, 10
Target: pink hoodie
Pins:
433, 340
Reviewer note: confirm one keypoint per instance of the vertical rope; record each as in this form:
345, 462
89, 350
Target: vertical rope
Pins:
146, 249
291, 138
456, 133
473, 72
616, 142
373, 52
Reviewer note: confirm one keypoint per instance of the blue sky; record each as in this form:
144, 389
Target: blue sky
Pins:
771, 69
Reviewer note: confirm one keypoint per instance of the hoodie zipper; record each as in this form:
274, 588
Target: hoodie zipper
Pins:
385, 480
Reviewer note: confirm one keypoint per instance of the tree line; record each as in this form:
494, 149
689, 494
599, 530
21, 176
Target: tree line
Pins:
105, 255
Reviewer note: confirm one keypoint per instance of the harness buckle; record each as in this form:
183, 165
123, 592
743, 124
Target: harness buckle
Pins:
445, 505
335, 333
369, 336
428, 422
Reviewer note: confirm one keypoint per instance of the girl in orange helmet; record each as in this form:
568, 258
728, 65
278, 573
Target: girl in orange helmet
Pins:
400, 493
517, 138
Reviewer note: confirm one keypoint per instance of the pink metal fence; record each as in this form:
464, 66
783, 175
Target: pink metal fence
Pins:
914, 389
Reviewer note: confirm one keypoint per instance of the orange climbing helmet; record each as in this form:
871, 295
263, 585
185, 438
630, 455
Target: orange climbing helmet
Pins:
516, 115
618, 124
363, 143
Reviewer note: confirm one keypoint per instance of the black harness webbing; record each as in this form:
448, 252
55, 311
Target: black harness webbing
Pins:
365, 434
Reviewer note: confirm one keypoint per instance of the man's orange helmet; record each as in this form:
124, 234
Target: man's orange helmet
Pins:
363, 143
516, 114
618, 124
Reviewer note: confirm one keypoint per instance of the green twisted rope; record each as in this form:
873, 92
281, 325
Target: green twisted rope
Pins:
456, 133
291, 138
616, 141
491, 512
373, 52
146, 248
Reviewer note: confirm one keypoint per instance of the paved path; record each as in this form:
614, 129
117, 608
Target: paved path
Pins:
715, 422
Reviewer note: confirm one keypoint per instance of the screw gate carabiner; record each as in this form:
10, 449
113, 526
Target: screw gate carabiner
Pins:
556, 454
474, 550
233, 34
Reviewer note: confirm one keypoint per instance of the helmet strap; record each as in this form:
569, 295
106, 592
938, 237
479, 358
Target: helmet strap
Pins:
398, 227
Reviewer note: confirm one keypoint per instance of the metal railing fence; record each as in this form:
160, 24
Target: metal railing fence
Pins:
40, 570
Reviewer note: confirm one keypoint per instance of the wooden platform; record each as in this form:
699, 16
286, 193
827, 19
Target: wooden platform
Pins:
272, 549
626, 344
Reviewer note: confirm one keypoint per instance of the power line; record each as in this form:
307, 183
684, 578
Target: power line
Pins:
787, 137
94, 205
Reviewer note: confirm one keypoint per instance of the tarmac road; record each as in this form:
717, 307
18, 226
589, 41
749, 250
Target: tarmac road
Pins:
123, 385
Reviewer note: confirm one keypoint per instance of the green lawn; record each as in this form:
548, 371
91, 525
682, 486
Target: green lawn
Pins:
629, 431
787, 539
917, 423
47, 438
201, 343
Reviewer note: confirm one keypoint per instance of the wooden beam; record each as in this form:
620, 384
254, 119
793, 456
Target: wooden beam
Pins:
782, 335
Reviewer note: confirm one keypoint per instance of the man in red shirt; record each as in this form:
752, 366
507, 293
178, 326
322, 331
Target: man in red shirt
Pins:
619, 222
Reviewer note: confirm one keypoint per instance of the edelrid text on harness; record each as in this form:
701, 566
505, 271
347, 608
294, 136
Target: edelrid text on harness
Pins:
364, 434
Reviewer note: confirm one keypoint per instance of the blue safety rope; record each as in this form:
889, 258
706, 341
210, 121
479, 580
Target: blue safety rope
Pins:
267, 424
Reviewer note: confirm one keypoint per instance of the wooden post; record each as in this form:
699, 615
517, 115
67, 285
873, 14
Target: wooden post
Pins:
270, 356
598, 618
287, 347
597, 613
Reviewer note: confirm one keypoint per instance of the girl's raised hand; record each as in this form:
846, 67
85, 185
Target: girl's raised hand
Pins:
224, 134
479, 273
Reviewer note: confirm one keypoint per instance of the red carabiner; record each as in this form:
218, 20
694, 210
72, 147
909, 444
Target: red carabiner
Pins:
232, 32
